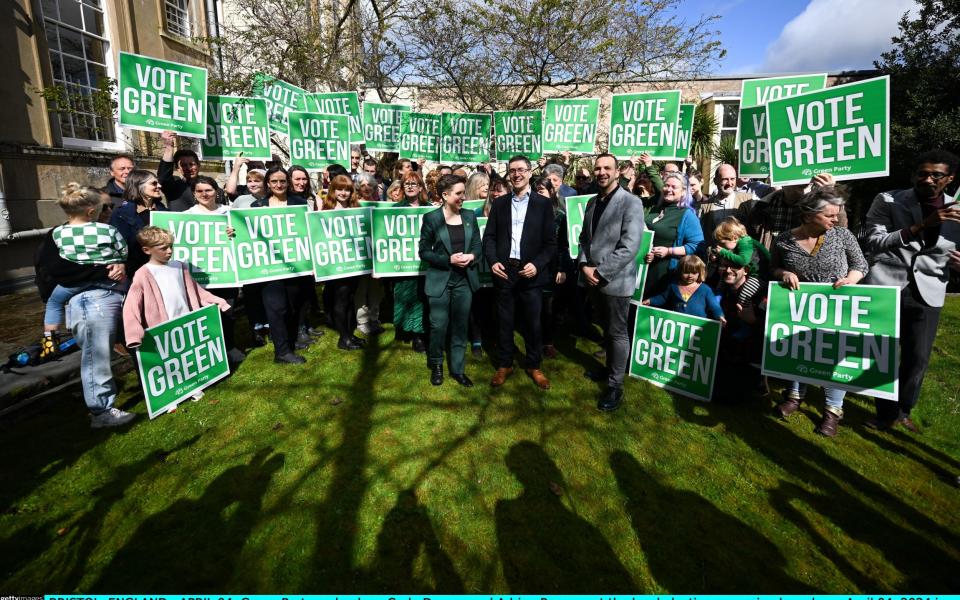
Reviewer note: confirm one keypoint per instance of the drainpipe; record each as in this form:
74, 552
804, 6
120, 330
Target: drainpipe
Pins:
7, 234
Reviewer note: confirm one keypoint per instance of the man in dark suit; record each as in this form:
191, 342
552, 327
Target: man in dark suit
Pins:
519, 242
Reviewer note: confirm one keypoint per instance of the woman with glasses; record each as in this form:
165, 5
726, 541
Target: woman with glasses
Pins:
676, 233
408, 292
141, 196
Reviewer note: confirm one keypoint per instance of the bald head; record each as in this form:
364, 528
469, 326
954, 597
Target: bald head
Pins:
726, 179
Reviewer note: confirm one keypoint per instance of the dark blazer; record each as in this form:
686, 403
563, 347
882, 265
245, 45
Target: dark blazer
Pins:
538, 244
436, 248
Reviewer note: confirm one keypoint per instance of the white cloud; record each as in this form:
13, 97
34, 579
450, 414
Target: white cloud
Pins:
832, 35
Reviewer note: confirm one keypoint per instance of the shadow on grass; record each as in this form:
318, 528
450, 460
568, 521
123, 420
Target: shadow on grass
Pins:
545, 547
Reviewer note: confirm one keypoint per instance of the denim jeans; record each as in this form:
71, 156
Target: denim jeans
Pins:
833, 396
56, 303
94, 317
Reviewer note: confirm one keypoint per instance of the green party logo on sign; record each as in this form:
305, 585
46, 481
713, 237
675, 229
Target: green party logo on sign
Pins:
576, 206
465, 137
396, 241
570, 125
644, 122
843, 130
681, 147
341, 243
381, 126
339, 103
420, 136
271, 243
281, 98
675, 351
318, 141
518, 132
159, 95
181, 357
844, 338
757, 92
236, 125
646, 245
200, 241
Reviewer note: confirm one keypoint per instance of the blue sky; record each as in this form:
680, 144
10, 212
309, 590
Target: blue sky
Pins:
774, 36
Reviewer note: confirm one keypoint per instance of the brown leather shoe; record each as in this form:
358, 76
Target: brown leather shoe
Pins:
789, 406
500, 376
907, 424
828, 426
539, 378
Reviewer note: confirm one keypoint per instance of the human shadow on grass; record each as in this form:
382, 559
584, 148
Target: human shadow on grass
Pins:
195, 544
692, 546
544, 546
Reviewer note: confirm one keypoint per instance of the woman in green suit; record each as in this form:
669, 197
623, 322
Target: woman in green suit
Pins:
450, 244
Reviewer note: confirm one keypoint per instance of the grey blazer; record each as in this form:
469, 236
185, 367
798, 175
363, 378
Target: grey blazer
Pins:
614, 245
893, 262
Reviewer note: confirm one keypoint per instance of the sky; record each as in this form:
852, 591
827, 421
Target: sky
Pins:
782, 36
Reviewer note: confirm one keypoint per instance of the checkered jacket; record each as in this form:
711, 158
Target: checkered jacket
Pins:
90, 243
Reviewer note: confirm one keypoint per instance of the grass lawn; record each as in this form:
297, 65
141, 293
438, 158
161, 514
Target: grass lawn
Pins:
352, 474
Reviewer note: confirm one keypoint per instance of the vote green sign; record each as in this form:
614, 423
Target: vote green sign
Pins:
843, 130
159, 95
318, 141
281, 97
340, 103
341, 243
483, 269
681, 147
644, 122
236, 125
675, 351
518, 132
843, 338
576, 205
271, 243
753, 144
181, 357
420, 136
396, 241
200, 241
472, 204
757, 92
465, 138
381, 126
646, 244
570, 125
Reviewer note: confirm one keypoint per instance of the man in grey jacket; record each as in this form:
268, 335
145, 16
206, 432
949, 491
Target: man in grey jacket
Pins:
910, 240
609, 243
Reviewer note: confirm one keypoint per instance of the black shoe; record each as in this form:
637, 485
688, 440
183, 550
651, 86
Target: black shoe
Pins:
348, 344
596, 375
359, 340
301, 345
316, 333
462, 379
418, 345
289, 359
304, 338
259, 339
477, 352
610, 400
377, 329
436, 374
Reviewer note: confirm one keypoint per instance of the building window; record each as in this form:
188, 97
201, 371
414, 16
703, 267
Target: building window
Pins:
729, 117
178, 17
79, 48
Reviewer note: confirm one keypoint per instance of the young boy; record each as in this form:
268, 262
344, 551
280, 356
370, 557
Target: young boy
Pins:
84, 241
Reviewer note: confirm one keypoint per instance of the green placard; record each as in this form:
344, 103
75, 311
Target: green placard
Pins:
201, 242
646, 244
381, 126
181, 357
681, 147
843, 338
396, 241
339, 103
271, 243
341, 243
757, 92
570, 125
318, 141
420, 136
236, 125
675, 351
644, 122
472, 205
483, 269
518, 132
281, 97
575, 205
465, 138
159, 95
752, 140
842, 130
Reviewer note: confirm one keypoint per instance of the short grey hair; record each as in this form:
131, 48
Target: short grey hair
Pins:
554, 168
817, 200
366, 178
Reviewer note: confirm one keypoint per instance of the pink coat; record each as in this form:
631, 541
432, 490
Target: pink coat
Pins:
144, 307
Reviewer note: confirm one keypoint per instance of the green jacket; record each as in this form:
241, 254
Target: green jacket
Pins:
436, 248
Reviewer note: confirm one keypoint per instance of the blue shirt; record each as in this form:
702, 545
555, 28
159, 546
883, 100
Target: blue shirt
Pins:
518, 214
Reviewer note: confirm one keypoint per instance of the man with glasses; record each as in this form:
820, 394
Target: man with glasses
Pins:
911, 242
519, 243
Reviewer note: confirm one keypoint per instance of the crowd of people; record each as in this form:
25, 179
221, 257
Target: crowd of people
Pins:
711, 256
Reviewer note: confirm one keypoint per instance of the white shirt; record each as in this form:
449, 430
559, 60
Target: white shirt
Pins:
518, 214
196, 209
170, 281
